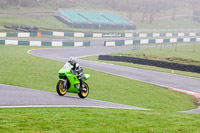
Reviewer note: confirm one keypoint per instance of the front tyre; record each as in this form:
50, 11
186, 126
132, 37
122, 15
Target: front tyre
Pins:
60, 89
84, 94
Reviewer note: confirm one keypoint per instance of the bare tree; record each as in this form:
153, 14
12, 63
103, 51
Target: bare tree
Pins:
194, 4
151, 8
174, 6
144, 5
3, 3
154, 8
19, 4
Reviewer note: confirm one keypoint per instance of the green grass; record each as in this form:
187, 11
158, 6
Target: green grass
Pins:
21, 69
13, 9
95, 120
45, 22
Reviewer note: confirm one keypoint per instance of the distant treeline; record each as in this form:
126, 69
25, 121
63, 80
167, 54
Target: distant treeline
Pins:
148, 8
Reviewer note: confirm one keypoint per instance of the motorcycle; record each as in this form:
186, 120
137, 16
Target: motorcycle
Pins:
69, 82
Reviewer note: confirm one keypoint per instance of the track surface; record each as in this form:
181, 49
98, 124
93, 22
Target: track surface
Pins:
12, 96
28, 97
158, 78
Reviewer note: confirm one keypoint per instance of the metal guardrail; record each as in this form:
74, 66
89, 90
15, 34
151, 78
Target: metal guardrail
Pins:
160, 30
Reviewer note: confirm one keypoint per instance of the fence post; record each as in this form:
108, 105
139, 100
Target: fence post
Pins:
176, 47
194, 47
160, 46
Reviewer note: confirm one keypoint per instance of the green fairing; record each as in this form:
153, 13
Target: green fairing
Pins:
65, 72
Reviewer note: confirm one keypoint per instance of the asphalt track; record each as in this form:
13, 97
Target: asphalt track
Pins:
61, 54
158, 78
173, 81
14, 97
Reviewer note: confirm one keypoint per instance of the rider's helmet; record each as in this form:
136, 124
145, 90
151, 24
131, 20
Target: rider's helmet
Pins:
72, 60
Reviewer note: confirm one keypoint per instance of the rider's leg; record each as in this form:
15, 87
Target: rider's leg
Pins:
81, 84
81, 81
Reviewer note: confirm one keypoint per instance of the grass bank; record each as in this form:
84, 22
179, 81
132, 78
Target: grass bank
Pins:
51, 23
178, 23
185, 54
44, 23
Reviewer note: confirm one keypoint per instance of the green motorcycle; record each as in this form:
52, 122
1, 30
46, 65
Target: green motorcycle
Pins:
69, 82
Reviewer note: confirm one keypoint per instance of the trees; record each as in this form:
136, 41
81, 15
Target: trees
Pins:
35, 3
19, 3
151, 8
3, 3
148, 9
194, 4
61, 3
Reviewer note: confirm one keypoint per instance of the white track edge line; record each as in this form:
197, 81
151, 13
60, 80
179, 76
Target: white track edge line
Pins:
72, 106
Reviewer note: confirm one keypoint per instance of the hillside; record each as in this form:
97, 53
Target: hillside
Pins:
162, 19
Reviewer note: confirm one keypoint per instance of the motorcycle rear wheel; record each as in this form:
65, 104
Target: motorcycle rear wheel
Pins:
60, 90
84, 94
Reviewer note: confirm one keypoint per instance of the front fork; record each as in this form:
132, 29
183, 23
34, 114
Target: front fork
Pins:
65, 84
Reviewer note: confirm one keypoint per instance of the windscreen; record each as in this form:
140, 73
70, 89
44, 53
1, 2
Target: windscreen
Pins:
66, 66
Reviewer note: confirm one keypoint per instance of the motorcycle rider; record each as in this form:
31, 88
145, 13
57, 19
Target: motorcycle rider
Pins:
77, 69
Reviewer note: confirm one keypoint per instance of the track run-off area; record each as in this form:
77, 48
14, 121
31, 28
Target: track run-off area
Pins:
171, 81
20, 97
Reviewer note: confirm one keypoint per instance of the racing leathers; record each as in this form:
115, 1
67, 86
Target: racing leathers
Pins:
78, 70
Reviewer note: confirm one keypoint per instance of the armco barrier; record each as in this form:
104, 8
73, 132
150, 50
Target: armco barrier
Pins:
24, 34
98, 35
81, 34
161, 34
128, 35
150, 41
157, 63
43, 43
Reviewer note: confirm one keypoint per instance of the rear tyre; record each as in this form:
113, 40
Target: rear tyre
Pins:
84, 94
60, 89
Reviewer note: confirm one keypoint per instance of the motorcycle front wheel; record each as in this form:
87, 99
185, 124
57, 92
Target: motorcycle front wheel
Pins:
84, 94
60, 89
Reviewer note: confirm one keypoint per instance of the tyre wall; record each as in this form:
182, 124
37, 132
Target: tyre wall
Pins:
157, 63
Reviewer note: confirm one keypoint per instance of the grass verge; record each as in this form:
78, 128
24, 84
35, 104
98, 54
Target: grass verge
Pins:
95, 120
